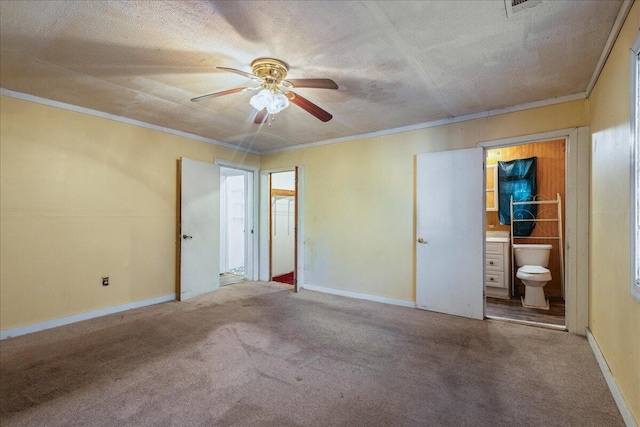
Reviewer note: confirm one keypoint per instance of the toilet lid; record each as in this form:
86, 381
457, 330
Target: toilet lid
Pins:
533, 269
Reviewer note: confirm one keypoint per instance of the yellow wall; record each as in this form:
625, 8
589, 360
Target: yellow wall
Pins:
85, 197
614, 315
359, 197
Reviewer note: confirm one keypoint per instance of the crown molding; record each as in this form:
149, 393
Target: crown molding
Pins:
418, 126
425, 125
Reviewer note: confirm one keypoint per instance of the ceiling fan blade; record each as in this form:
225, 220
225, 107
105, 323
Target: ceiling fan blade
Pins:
314, 83
222, 93
242, 73
261, 117
308, 106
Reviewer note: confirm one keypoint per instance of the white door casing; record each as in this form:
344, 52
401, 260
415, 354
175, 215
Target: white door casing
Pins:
199, 228
450, 232
577, 218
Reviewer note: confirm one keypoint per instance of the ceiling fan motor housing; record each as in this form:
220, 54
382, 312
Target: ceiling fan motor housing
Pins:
273, 71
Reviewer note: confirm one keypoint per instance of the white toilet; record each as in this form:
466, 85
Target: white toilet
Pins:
532, 261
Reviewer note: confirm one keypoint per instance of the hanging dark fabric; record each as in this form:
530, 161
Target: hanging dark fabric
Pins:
517, 178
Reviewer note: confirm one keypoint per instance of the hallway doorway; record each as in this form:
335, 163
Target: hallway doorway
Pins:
235, 231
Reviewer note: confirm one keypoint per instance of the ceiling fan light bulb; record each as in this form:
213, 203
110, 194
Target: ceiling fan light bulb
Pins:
261, 100
279, 103
284, 101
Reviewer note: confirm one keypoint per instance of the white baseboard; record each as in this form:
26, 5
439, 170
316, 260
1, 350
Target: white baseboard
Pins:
385, 300
627, 416
41, 326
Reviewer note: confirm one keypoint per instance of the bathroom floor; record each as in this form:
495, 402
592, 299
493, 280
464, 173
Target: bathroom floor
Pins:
513, 309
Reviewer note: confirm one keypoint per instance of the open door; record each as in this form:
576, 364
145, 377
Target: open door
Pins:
450, 239
199, 228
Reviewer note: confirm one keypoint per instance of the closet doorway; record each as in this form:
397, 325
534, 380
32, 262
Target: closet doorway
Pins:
283, 227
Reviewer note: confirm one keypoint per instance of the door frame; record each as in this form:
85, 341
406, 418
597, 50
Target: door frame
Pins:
576, 203
252, 248
265, 234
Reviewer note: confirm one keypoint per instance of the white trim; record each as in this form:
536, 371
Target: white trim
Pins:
263, 228
300, 193
348, 294
484, 114
528, 323
278, 170
234, 165
634, 145
627, 416
613, 35
61, 321
577, 218
108, 116
525, 139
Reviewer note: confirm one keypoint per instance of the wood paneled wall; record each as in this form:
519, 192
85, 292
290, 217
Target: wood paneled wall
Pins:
550, 181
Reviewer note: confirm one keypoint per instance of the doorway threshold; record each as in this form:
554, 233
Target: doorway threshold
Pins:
230, 279
529, 323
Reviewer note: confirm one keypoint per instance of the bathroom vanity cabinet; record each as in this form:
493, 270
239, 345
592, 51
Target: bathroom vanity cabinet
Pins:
497, 268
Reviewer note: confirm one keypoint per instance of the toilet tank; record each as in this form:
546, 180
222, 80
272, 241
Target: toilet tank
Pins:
532, 254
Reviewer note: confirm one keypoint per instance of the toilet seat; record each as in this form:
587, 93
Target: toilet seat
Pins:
534, 269
534, 273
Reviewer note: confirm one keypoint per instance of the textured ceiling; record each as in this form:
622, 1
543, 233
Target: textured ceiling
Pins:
397, 63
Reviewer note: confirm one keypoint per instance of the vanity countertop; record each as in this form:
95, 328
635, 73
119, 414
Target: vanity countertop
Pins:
498, 239
497, 236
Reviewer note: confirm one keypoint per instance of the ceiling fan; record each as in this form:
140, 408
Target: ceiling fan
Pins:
275, 91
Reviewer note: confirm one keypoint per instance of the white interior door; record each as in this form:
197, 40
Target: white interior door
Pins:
199, 228
450, 234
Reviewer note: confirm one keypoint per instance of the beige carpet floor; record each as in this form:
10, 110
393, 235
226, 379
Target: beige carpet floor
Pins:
257, 354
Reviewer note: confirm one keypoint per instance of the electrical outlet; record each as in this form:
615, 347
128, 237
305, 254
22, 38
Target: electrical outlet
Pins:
105, 281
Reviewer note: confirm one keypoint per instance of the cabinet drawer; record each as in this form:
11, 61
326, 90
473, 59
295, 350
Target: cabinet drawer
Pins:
493, 248
495, 279
494, 262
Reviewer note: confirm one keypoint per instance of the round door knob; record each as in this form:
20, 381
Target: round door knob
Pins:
491, 262
491, 278
185, 237
421, 240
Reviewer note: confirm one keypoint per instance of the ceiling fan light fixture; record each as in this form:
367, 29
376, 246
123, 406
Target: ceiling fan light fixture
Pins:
274, 91
273, 102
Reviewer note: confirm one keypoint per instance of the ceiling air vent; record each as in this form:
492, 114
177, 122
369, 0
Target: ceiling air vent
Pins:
515, 6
